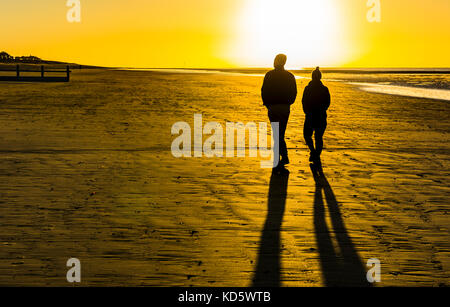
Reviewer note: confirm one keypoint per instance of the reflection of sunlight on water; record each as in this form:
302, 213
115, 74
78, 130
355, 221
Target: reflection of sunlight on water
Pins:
408, 91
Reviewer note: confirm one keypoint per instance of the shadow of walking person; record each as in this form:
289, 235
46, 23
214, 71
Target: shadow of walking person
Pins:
268, 266
341, 266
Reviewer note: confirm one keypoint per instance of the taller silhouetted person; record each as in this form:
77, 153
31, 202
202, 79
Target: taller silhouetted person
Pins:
279, 92
316, 101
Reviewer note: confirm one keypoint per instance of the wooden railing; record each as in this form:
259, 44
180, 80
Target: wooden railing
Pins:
42, 77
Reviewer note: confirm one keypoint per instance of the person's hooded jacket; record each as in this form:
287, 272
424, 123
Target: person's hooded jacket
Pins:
316, 98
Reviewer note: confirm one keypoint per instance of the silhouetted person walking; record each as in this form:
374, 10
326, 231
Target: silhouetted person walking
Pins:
279, 92
316, 101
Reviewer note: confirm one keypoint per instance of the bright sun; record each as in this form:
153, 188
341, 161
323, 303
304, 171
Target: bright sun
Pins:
308, 31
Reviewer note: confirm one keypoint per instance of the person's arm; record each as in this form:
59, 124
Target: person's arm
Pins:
264, 90
305, 100
293, 94
327, 99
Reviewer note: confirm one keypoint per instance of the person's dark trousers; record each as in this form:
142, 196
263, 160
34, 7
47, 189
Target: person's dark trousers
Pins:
317, 124
280, 113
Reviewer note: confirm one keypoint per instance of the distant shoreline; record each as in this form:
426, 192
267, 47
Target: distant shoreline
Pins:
246, 70
50, 63
306, 70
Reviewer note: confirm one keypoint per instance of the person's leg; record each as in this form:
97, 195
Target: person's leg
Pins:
274, 118
284, 118
319, 137
307, 134
280, 114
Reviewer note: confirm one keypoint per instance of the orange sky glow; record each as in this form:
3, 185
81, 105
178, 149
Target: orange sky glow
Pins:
230, 33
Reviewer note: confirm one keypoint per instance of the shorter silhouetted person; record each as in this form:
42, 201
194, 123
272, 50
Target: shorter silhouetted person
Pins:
279, 92
316, 101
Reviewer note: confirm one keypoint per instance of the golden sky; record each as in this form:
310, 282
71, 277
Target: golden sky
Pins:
230, 33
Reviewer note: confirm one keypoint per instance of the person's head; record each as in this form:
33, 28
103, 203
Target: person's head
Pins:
316, 74
280, 61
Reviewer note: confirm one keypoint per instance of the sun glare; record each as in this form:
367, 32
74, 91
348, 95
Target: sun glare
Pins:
308, 31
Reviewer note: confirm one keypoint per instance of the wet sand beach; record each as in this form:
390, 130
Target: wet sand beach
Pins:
87, 171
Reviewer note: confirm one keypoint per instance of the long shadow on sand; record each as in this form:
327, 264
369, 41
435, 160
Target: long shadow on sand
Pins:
343, 268
268, 264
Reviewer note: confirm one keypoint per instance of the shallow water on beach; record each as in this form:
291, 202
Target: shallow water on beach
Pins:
428, 85
431, 86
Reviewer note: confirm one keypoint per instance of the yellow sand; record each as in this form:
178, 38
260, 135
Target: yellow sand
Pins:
86, 171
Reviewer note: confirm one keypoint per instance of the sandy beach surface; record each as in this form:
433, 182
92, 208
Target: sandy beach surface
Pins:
86, 171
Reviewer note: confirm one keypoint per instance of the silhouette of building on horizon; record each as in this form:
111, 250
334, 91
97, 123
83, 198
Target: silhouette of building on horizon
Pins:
7, 58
